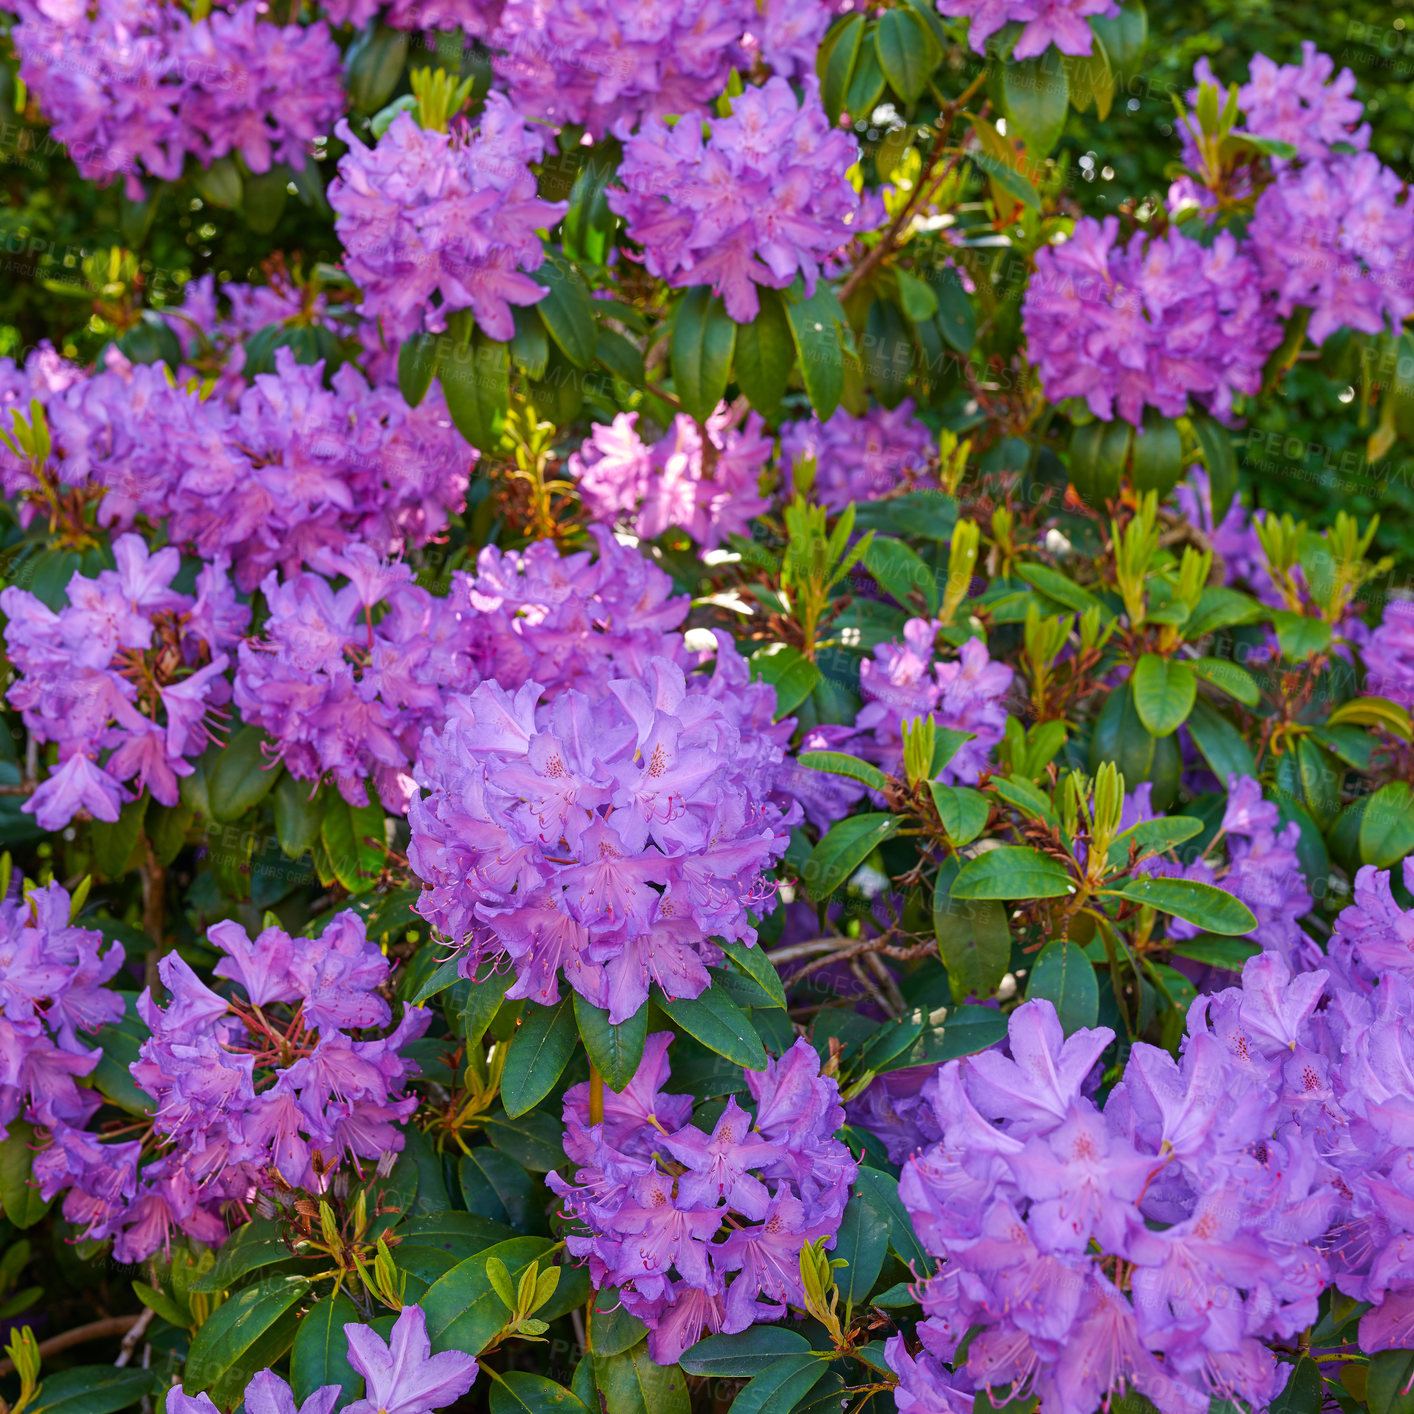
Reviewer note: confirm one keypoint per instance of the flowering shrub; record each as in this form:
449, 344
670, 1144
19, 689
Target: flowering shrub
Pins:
661, 733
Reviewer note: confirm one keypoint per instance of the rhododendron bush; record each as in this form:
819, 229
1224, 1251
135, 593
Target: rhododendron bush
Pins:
663, 757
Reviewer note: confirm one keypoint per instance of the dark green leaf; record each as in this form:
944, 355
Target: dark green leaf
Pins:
299, 812
899, 570
765, 354
521, 1392
1203, 905
1213, 438
254, 1245
835, 62
1387, 1382
614, 1051
816, 325
113, 844
530, 344
1164, 693
962, 810
1012, 872
1123, 36
1305, 1391
1231, 953
866, 84
633, 1383
242, 776
249, 1331
373, 64
19, 1195
839, 763
91, 1389
907, 52
1098, 453
1236, 682
1158, 455
703, 341
538, 1055
882, 1191
862, 1241
1220, 607
1300, 637
744, 1354
846, 846
1222, 745
721, 1026
781, 1385
1034, 96
320, 1354
1062, 589
1063, 976
119, 1044
1387, 826
476, 380
462, 1309
568, 310
535, 1140
974, 940
611, 1329
789, 671
622, 357
754, 962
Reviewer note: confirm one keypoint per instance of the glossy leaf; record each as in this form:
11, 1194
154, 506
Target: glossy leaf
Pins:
1012, 872
614, 1051
1164, 693
703, 341
1203, 905
846, 845
538, 1054
1064, 976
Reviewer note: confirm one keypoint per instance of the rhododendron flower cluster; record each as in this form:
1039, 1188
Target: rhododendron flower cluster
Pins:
345, 696
129, 667
51, 989
1180, 1176
858, 458
1300, 103
1149, 322
400, 1374
764, 197
609, 836
274, 1083
1389, 654
295, 469
1262, 869
708, 486
1043, 22
1335, 237
134, 86
652, 1194
451, 215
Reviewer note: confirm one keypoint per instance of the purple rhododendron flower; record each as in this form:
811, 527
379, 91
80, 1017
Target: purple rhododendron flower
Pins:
1044, 22
772, 1183
447, 214
401, 1375
709, 488
858, 458
763, 198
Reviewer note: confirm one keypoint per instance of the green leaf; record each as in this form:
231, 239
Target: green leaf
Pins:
622, 357
816, 325
417, 366
535, 1140
907, 52
1092, 80
253, 1245
353, 836
916, 297
1387, 826
1305, 1391
611, 1329
220, 183
765, 354
1164, 693
91, 1389
882, 1191
719, 1023
568, 310
633, 1383
846, 845
1203, 905
974, 939
1098, 453
1236, 682
19, 1195
299, 812
1062, 589
320, 1354
462, 1309
530, 344
499, 1190
781, 1385
1374, 712
1158, 455
1231, 953
614, 1051
242, 776
1154, 837
862, 1241
249, 1331
113, 844
840, 763
118, 1044
538, 1055
744, 1354
787, 670
446, 975
1221, 743
263, 198
703, 341
962, 810
1123, 36
835, 62
1034, 96
476, 381
1387, 1380
866, 84
1299, 636
1012, 872
754, 962
1214, 440
521, 1392
900, 571
1220, 607
889, 341
1063, 976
